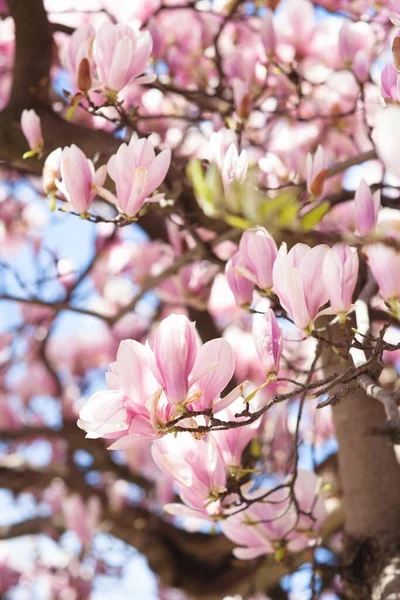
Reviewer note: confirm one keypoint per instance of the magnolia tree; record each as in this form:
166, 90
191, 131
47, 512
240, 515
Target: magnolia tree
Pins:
200, 298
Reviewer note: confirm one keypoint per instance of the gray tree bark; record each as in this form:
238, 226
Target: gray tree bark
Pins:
370, 476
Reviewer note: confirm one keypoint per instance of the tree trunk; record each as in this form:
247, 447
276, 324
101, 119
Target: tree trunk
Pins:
370, 477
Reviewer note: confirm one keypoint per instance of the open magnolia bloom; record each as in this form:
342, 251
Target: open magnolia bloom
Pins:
79, 178
151, 385
137, 173
273, 524
297, 282
199, 471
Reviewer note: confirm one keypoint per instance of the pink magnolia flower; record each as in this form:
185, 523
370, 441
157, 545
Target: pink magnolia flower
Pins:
268, 34
267, 526
180, 365
137, 173
174, 351
190, 287
296, 25
79, 47
32, 130
192, 284
149, 385
256, 256
384, 263
199, 471
355, 40
241, 286
79, 178
268, 340
361, 65
34, 380
218, 145
367, 205
232, 442
390, 83
339, 274
298, 282
121, 54
234, 167
81, 518
263, 527
316, 167
133, 406
394, 5
51, 171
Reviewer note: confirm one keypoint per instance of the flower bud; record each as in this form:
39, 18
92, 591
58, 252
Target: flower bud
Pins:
396, 52
84, 78
367, 207
268, 340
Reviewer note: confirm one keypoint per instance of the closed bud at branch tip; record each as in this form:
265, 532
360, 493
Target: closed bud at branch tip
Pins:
84, 77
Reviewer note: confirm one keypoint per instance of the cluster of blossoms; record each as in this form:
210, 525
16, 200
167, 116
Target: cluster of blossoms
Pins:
109, 58
304, 279
151, 385
135, 169
175, 381
266, 90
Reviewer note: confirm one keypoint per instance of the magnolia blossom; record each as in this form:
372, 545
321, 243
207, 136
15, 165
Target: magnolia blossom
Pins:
32, 130
384, 263
394, 6
52, 171
137, 173
180, 364
298, 282
78, 49
149, 385
390, 83
79, 178
199, 470
240, 285
339, 274
268, 340
355, 43
234, 167
192, 284
121, 54
232, 442
265, 527
134, 406
367, 205
81, 518
174, 350
218, 145
256, 256
316, 167
268, 34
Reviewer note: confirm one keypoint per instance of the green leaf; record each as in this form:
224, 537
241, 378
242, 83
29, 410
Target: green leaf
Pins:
238, 222
315, 215
197, 178
289, 213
